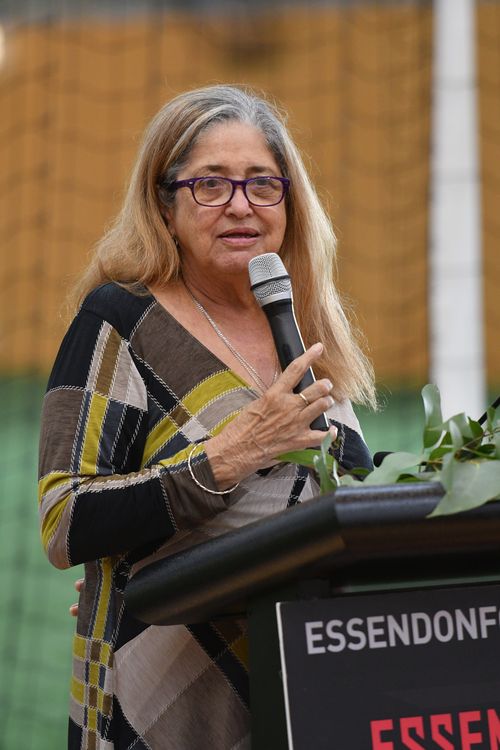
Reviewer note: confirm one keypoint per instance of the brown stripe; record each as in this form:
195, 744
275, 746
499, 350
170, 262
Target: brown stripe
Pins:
61, 412
108, 363
179, 415
176, 357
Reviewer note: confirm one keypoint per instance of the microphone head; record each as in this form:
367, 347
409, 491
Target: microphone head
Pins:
269, 279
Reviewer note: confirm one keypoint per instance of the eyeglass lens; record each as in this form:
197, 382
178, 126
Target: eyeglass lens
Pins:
215, 191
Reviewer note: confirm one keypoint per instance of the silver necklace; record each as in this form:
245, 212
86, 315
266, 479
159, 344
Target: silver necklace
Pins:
241, 359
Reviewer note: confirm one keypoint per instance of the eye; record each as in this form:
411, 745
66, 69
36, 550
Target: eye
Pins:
212, 191
211, 183
261, 181
265, 186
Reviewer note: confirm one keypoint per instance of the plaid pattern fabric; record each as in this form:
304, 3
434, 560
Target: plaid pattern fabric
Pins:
130, 394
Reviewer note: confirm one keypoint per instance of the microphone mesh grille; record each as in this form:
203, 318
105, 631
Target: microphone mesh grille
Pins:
282, 286
264, 267
265, 270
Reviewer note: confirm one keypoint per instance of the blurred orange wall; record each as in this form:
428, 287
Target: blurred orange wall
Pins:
356, 83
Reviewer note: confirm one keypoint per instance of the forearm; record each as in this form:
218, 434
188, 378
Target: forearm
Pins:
86, 518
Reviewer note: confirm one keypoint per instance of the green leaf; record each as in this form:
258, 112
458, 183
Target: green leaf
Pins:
347, 480
438, 453
456, 434
496, 441
325, 448
326, 483
359, 472
430, 476
392, 466
407, 477
433, 429
462, 423
493, 418
468, 484
304, 458
476, 429
458, 453
484, 451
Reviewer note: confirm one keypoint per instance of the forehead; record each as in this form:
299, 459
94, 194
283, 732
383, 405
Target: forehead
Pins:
233, 146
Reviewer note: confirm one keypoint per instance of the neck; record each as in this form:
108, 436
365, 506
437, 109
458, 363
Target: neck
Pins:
233, 292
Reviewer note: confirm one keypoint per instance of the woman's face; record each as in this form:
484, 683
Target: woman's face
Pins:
222, 240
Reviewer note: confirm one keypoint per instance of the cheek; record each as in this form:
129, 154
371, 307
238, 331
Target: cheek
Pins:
196, 228
281, 225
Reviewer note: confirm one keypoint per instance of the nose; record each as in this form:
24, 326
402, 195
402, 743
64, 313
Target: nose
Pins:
239, 205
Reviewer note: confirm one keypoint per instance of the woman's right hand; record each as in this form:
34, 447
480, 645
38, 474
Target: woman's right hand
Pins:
277, 422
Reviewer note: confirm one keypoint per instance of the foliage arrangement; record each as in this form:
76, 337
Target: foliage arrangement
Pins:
460, 453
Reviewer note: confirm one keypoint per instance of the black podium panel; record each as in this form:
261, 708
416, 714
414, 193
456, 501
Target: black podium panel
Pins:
330, 554
412, 669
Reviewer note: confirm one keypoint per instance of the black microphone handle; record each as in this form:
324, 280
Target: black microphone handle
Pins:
289, 346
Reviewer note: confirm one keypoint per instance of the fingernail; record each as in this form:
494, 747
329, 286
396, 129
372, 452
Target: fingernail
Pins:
317, 347
329, 384
330, 401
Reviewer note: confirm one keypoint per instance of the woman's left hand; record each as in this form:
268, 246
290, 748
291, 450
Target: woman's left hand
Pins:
73, 610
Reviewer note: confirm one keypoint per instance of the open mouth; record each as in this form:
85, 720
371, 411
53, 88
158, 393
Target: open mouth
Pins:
240, 234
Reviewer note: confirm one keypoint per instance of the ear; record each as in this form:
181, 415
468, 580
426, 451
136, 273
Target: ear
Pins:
168, 218
163, 204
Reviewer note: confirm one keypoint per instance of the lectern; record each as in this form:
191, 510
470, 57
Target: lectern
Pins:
371, 625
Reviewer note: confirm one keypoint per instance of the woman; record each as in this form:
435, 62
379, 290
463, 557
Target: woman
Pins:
166, 409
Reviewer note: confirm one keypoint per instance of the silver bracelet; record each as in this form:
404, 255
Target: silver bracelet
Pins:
212, 492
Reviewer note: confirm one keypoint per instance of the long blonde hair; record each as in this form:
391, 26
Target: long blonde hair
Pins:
138, 250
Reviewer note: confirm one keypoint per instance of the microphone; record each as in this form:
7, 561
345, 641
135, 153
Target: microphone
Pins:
272, 288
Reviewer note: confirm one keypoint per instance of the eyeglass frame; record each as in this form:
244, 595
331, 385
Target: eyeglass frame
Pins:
190, 183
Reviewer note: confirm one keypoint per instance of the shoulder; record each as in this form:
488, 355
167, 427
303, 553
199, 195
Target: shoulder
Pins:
118, 306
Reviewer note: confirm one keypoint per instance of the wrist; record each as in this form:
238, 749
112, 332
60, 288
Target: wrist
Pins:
200, 484
226, 467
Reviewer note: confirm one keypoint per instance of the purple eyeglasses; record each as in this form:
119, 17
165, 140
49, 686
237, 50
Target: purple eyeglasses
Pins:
217, 191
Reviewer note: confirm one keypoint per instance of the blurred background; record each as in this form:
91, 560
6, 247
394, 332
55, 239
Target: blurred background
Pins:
362, 82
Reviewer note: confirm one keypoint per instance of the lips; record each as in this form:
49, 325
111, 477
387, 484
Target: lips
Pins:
240, 233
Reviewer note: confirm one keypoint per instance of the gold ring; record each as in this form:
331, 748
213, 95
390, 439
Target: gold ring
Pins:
304, 399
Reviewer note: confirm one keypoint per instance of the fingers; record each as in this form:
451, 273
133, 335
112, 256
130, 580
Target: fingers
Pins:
318, 436
320, 389
315, 399
78, 584
296, 370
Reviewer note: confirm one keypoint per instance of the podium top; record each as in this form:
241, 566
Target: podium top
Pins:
329, 536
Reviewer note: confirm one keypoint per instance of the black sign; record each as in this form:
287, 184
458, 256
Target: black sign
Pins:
393, 671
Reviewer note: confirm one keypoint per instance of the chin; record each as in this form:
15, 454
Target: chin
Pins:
237, 261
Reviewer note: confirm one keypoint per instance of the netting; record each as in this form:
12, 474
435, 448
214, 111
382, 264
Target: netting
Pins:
78, 83
488, 46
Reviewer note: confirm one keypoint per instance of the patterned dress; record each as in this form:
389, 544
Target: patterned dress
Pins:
130, 394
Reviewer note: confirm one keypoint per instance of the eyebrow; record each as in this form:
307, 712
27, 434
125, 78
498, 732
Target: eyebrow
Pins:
221, 168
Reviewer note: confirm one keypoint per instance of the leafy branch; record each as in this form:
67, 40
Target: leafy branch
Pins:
458, 453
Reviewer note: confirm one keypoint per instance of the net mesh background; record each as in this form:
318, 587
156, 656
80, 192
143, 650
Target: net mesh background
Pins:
78, 83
